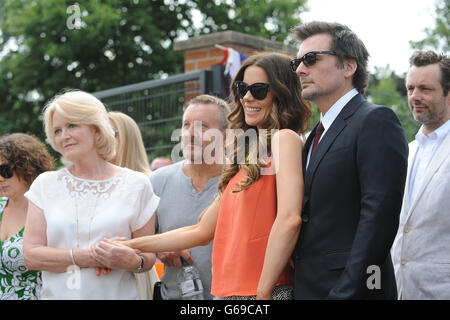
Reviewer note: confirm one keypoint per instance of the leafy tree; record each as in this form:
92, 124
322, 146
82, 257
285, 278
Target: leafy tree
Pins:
48, 45
388, 89
267, 19
112, 43
437, 37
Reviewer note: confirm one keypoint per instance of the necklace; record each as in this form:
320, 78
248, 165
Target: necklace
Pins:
91, 218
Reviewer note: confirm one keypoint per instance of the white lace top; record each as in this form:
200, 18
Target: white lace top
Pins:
81, 212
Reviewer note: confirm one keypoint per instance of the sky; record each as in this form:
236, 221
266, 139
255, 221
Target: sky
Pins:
385, 26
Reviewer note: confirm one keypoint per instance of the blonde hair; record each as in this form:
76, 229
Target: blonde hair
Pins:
131, 153
79, 107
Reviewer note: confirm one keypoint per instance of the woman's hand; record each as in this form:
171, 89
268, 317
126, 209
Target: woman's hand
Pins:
103, 270
122, 241
99, 271
172, 259
115, 255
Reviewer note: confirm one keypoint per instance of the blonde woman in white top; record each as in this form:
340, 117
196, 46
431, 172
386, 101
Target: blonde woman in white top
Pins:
71, 210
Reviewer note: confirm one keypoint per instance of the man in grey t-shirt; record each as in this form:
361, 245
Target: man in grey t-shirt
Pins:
188, 187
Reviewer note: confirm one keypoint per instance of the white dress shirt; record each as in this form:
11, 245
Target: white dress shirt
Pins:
428, 146
329, 117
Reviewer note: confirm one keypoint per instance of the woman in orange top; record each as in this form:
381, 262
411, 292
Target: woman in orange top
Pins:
255, 219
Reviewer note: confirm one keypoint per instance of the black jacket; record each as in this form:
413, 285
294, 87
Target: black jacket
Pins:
353, 194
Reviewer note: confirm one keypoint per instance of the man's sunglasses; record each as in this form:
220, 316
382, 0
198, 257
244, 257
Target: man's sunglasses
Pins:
6, 171
308, 59
258, 90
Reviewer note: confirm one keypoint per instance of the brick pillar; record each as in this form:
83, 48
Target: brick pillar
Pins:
200, 53
204, 57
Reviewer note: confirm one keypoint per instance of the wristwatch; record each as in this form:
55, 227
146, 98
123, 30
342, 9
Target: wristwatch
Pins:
141, 266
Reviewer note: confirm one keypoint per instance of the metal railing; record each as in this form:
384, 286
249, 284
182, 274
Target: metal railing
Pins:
157, 106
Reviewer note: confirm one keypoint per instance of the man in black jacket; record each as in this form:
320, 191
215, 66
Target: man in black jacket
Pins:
354, 164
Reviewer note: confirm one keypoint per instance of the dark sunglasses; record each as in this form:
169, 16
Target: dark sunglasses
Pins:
6, 171
258, 90
308, 59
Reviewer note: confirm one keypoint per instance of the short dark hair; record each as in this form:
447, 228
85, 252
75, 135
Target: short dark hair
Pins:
27, 156
425, 58
345, 43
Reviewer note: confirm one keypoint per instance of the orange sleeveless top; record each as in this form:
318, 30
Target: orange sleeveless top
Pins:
240, 240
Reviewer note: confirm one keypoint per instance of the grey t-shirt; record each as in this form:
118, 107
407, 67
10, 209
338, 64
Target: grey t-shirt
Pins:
180, 205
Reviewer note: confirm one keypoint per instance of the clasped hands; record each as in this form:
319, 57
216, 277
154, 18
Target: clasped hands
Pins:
111, 254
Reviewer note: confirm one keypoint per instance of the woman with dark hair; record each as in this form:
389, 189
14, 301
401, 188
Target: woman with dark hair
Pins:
255, 220
22, 159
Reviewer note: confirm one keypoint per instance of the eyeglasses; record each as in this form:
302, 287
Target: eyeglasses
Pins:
258, 90
308, 59
6, 171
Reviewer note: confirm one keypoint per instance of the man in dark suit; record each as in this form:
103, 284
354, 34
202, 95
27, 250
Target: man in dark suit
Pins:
354, 163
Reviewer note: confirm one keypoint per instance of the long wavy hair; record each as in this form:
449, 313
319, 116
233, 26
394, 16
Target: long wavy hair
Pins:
131, 151
289, 111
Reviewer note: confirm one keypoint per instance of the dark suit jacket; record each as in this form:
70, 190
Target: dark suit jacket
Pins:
353, 194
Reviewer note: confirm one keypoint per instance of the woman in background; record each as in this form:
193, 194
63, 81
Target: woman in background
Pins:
130, 153
130, 149
22, 159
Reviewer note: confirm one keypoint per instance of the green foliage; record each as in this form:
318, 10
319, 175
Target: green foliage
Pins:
117, 43
388, 89
267, 19
44, 49
438, 37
